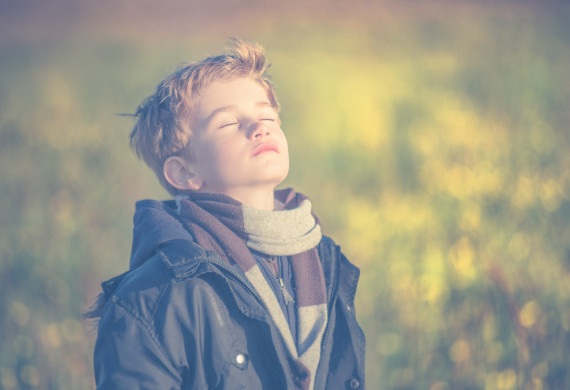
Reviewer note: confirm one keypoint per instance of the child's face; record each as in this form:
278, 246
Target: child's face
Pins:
238, 145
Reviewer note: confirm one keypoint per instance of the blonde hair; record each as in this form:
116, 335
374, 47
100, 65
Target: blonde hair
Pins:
163, 121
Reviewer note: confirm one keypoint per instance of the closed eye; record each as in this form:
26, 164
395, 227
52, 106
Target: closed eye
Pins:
229, 124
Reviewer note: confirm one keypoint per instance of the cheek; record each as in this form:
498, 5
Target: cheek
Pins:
209, 150
223, 155
207, 158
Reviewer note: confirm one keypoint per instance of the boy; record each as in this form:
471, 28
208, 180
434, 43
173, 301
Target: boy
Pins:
231, 285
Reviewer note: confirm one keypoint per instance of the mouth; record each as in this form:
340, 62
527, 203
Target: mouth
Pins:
264, 148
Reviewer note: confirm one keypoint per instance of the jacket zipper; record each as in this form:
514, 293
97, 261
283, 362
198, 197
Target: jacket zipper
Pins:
287, 297
236, 276
248, 286
289, 300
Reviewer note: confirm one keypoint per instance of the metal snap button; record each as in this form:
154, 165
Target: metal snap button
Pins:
354, 383
240, 358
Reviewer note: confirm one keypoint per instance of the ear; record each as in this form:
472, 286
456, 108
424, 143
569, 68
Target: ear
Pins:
181, 175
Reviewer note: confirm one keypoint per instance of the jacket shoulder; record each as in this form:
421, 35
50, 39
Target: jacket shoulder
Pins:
329, 250
140, 291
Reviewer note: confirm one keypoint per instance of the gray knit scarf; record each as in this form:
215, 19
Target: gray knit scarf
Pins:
221, 224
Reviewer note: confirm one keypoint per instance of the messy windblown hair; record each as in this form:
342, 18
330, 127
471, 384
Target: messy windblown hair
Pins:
163, 121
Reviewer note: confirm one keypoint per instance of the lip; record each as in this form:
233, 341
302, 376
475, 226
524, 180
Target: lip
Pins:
264, 148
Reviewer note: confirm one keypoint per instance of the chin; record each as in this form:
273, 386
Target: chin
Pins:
276, 180
277, 175
282, 177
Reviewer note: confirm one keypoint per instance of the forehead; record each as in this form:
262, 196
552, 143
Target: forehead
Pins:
227, 93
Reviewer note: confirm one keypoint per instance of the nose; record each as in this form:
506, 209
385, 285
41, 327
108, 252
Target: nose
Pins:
259, 130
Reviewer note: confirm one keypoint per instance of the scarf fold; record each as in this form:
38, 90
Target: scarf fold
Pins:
221, 224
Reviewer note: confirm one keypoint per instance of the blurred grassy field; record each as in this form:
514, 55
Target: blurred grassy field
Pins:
433, 139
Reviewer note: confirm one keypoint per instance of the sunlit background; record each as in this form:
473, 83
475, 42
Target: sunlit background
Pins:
432, 137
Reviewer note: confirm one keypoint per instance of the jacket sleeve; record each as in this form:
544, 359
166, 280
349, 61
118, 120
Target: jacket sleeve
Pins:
127, 356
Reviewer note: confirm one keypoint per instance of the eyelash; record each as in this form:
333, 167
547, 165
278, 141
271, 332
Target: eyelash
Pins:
237, 123
228, 125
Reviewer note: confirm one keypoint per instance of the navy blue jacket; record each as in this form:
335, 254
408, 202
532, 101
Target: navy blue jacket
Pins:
181, 318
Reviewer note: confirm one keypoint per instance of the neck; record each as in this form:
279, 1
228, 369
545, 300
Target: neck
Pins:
261, 199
